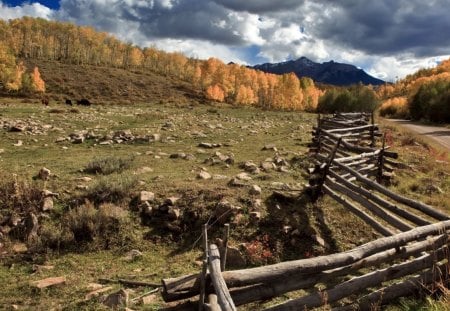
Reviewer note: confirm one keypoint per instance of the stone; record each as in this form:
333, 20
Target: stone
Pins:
19, 248
44, 174
267, 166
171, 201
60, 139
243, 176
235, 182
48, 193
205, 145
146, 196
49, 282
255, 190
117, 299
97, 292
204, 175
256, 216
82, 187
47, 204
219, 177
225, 209
106, 142
18, 144
147, 209
270, 147
31, 227
78, 139
319, 240
85, 179
155, 137
174, 213
133, 255
173, 227
2, 151
144, 170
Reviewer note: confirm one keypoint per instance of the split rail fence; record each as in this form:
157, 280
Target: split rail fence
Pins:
412, 255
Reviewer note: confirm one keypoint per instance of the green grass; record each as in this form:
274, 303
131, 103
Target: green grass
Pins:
243, 132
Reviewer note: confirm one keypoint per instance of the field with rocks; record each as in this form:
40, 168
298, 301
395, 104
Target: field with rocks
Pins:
94, 200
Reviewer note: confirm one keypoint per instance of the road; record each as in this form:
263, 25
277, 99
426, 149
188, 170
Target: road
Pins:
440, 134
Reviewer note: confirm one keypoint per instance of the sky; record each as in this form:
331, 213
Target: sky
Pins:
387, 38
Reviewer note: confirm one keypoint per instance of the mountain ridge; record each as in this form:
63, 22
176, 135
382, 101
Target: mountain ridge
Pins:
330, 72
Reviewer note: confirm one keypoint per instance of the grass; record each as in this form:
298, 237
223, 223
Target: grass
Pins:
86, 206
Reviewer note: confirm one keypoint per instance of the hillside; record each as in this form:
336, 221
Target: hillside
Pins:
329, 72
102, 84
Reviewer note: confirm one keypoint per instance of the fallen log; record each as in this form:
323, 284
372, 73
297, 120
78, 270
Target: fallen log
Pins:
223, 295
394, 196
375, 209
364, 216
358, 284
188, 286
385, 204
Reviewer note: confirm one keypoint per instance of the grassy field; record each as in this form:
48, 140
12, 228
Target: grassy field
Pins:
100, 183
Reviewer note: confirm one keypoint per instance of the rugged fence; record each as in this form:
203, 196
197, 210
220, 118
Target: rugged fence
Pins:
413, 254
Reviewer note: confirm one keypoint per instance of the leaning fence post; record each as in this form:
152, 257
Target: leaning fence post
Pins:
201, 300
372, 131
223, 258
327, 167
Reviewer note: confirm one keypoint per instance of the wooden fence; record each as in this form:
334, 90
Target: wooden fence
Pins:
413, 254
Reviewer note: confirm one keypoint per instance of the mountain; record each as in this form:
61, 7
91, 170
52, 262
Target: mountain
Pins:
328, 72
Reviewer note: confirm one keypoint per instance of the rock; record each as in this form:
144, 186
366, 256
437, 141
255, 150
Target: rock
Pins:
144, 170
147, 209
319, 240
106, 142
256, 216
155, 137
82, 187
146, 196
235, 258
189, 157
171, 201
243, 176
205, 145
85, 179
47, 204
41, 268
235, 182
255, 190
2, 151
173, 227
219, 177
133, 255
225, 209
270, 147
257, 203
44, 174
31, 227
49, 282
117, 299
18, 144
267, 166
17, 128
96, 292
19, 248
204, 175
174, 213
48, 193
250, 167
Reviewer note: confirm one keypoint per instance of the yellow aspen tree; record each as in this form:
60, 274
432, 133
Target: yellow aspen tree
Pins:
15, 83
38, 83
215, 92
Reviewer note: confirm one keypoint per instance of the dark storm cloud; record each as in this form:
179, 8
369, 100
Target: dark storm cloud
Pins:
387, 27
260, 6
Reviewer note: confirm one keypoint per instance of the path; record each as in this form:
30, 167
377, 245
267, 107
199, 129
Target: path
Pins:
439, 134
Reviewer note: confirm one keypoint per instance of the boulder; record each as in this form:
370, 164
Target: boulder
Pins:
204, 175
255, 190
117, 300
49, 282
133, 255
146, 196
44, 174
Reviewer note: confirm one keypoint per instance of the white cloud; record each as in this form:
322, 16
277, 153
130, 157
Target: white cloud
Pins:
26, 9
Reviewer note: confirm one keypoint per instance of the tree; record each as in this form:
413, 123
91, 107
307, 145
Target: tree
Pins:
37, 82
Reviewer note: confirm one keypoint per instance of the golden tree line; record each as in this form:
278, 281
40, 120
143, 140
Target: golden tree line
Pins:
65, 42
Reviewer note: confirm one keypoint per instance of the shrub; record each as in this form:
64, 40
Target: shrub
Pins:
19, 195
356, 98
396, 107
109, 165
431, 102
113, 189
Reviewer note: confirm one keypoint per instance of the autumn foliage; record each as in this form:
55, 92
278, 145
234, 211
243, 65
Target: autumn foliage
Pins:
30, 38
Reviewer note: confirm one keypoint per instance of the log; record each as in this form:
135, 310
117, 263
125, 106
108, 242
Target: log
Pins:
355, 129
358, 284
223, 295
385, 204
364, 216
375, 209
201, 301
188, 286
404, 288
396, 197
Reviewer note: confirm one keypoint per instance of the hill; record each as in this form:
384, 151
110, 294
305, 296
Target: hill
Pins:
102, 84
329, 72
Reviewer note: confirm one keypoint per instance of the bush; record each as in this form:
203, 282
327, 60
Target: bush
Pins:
113, 189
396, 107
19, 195
109, 165
108, 226
356, 98
431, 102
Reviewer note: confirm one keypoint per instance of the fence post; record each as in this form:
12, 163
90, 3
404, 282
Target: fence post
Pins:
223, 258
201, 300
381, 161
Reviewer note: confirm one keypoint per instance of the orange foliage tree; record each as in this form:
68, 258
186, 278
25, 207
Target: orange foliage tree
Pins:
38, 83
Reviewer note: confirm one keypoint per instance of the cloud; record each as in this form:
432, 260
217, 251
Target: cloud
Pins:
34, 10
387, 38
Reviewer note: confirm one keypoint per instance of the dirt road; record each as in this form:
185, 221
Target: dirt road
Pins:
439, 134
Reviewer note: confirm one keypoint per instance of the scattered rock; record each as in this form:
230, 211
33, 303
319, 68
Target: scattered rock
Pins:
117, 299
209, 145
146, 300
31, 227
270, 147
85, 179
235, 182
144, 170
204, 175
82, 187
255, 216
41, 268
174, 213
146, 196
2, 151
18, 144
155, 137
255, 190
243, 176
47, 204
49, 282
133, 255
97, 292
19, 248
44, 174
171, 201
